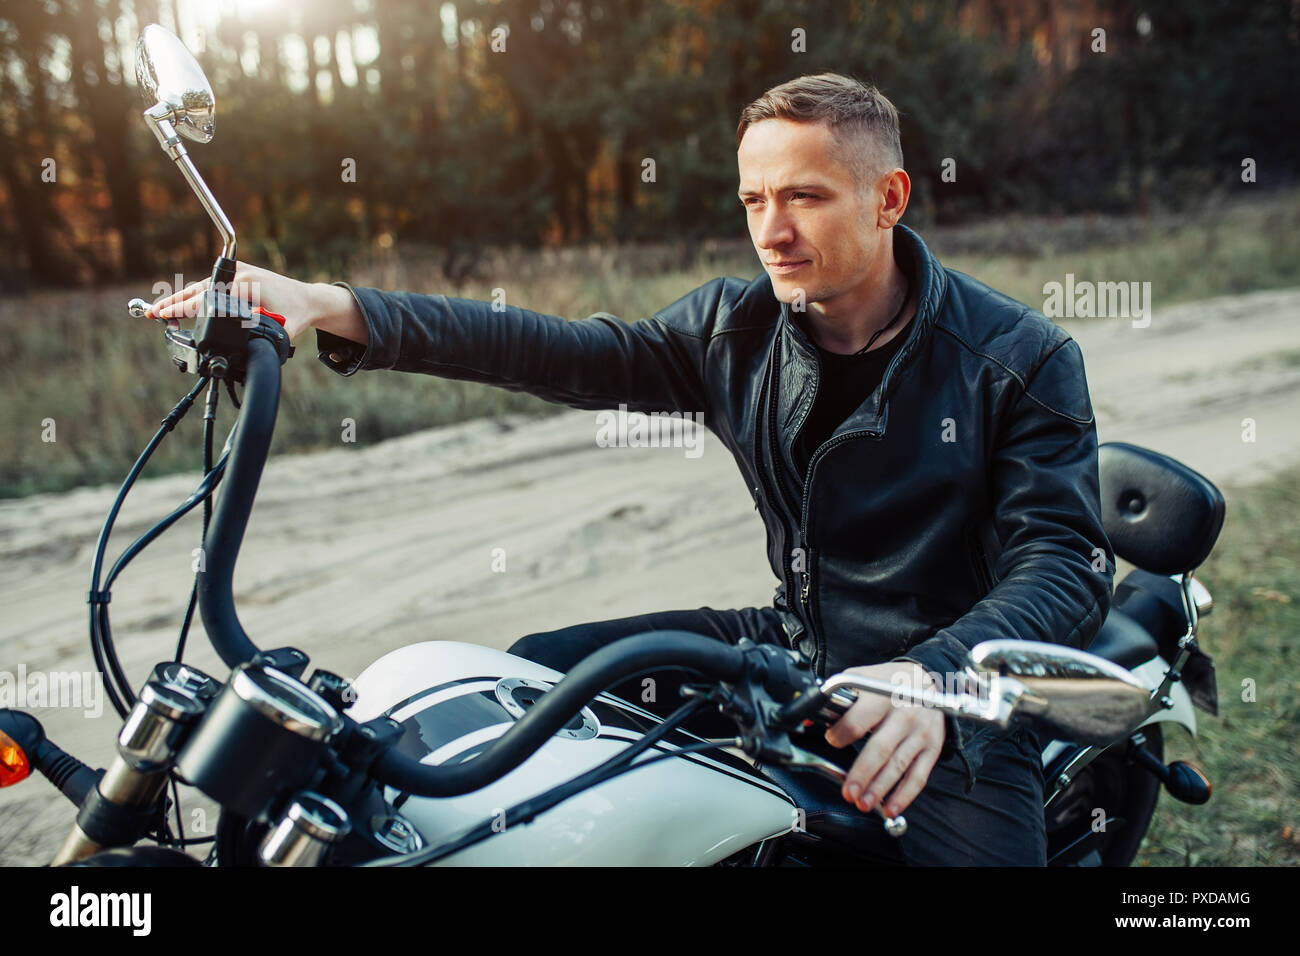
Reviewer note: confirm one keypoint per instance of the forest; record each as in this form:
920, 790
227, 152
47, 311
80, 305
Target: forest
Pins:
351, 126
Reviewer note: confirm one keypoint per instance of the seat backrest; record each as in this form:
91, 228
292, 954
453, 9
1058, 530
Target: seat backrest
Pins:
1158, 514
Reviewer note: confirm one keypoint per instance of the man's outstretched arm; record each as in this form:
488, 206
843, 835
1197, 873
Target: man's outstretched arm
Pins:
655, 364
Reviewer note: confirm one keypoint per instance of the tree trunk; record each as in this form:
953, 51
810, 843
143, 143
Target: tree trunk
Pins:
107, 104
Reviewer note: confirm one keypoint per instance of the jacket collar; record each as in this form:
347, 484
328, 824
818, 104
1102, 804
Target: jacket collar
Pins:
799, 359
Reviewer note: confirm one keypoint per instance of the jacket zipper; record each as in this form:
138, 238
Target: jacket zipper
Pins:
773, 500
805, 592
774, 451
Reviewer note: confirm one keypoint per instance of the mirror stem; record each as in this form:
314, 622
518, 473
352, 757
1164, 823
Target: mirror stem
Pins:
159, 120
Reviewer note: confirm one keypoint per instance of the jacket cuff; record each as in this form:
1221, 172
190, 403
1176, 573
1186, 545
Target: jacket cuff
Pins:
343, 355
940, 654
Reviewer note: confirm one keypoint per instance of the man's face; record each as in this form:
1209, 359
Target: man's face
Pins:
804, 206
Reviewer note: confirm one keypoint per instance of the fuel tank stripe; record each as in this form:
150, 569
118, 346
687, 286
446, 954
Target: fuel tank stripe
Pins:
433, 690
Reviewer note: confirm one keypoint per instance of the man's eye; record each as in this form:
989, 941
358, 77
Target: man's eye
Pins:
808, 195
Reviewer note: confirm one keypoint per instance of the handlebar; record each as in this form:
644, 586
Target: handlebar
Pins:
249, 448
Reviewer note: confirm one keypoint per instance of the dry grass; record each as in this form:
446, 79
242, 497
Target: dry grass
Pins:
1249, 750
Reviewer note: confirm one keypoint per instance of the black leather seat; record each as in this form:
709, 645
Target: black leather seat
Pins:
1123, 641
1158, 514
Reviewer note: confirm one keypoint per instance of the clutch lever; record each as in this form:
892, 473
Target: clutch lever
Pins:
835, 706
803, 760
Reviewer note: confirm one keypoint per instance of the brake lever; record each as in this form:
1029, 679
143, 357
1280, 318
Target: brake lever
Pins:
803, 760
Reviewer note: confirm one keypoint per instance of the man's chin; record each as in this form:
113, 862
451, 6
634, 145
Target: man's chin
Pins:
789, 291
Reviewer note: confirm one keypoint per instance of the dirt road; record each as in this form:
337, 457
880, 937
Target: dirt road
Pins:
356, 551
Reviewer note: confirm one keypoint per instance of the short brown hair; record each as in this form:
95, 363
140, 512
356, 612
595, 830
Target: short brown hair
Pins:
863, 120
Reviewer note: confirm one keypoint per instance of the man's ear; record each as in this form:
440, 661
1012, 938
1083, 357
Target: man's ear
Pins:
895, 190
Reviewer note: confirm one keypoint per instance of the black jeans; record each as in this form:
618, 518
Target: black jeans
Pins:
999, 822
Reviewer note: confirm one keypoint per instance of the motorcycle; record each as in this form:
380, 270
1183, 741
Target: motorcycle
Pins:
451, 753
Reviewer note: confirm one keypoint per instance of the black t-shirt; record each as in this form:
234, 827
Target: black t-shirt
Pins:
846, 381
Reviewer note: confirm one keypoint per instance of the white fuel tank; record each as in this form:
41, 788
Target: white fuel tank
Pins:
453, 699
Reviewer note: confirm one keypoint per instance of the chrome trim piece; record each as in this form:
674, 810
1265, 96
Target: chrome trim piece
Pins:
305, 832
171, 700
506, 687
1201, 598
154, 729
318, 816
396, 833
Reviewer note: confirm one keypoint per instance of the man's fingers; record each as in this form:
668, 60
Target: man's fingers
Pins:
913, 782
180, 304
187, 306
179, 293
859, 720
881, 763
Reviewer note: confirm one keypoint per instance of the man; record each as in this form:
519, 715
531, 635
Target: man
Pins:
921, 449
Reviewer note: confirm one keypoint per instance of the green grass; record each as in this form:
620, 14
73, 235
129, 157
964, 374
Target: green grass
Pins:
104, 379
1249, 751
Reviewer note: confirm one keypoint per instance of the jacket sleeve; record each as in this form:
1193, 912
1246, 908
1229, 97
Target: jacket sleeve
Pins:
1055, 569
655, 364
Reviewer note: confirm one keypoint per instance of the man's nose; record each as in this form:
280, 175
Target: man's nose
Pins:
775, 228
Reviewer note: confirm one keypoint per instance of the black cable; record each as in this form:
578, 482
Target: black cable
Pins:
110, 652
100, 666
209, 424
209, 421
122, 698
176, 806
201, 493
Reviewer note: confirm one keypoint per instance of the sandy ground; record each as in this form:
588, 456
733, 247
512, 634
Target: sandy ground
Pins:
353, 552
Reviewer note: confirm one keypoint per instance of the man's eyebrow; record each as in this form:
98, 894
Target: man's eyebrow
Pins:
816, 187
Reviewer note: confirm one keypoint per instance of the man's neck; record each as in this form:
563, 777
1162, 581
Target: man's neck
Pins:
848, 334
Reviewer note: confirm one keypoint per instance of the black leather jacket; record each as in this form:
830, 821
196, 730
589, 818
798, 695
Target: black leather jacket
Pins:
959, 503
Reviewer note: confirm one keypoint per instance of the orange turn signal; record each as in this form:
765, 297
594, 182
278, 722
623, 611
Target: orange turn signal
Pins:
13, 762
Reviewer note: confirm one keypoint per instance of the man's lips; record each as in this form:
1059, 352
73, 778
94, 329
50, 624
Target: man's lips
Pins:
788, 265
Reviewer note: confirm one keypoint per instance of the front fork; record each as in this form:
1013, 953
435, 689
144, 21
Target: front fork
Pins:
123, 804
